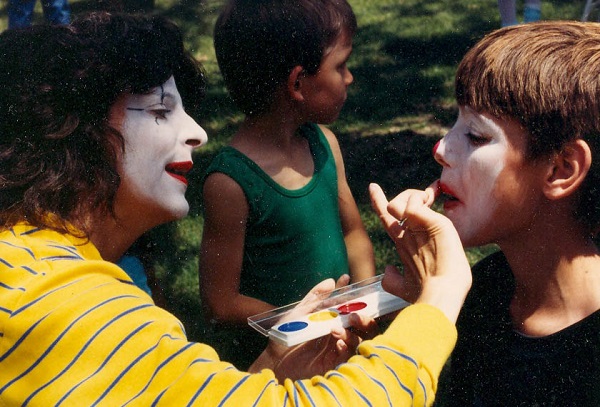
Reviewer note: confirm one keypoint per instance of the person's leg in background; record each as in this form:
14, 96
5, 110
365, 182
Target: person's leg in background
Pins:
20, 13
508, 12
532, 11
57, 11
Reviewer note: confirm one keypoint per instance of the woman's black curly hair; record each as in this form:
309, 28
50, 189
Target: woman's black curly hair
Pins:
58, 152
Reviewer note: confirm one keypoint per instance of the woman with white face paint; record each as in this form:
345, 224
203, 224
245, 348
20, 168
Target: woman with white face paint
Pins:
95, 146
520, 170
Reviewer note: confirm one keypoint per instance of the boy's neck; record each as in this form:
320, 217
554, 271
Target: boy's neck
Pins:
277, 147
556, 266
269, 128
269, 135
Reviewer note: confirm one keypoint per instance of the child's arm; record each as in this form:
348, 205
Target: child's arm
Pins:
360, 249
222, 250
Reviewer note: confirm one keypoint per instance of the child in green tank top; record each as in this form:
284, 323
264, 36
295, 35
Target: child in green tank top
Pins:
279, 214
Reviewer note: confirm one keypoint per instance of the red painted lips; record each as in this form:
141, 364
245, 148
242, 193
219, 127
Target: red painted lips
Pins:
178, 170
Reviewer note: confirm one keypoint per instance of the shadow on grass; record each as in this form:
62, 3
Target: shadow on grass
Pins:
405, 84
396, 162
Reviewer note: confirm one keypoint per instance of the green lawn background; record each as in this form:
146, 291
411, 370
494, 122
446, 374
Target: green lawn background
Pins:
401, 103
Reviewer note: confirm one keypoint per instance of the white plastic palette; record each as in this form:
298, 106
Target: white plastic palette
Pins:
300, 322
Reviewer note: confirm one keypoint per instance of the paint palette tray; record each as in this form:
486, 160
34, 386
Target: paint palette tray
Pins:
302, 321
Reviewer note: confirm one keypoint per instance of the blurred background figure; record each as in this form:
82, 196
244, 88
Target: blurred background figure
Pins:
20, 12
126, 6
532, 11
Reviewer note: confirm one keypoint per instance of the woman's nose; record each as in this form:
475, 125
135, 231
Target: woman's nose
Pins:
195, 135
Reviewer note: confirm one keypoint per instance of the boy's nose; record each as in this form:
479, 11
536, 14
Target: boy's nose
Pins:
349, 78
438, 152
436, 146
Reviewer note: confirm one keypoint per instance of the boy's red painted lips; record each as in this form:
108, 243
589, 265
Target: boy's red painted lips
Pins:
447, 194
178, 170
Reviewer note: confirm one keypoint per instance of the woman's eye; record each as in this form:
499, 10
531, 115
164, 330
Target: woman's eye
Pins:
477, 140
161, 113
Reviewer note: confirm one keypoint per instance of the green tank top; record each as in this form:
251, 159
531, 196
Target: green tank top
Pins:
294, 238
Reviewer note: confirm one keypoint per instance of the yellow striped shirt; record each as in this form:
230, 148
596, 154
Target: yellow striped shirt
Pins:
74, 330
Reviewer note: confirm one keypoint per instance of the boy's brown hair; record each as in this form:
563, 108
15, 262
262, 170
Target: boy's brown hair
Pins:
259, 42
547, 77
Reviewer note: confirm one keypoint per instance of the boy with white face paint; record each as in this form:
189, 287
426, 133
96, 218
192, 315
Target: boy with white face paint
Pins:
279, 215
520, 170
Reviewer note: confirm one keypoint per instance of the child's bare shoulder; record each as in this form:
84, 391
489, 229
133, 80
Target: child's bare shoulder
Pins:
221, 187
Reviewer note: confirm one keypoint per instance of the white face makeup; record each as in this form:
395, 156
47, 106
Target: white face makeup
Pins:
159, 139
486, 179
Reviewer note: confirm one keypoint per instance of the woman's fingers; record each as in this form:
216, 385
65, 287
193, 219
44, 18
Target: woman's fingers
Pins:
379, 203
343, 281
311, 300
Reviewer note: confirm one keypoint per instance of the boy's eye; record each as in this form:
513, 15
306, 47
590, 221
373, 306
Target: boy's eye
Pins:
476, 139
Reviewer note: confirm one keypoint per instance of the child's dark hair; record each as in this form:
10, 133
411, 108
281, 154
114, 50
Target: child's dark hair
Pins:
546, 76
58, 153
259, 42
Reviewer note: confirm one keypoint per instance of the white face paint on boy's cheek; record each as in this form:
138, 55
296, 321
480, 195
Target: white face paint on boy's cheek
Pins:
481, 178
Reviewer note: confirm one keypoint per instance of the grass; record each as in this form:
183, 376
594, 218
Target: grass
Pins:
401, 103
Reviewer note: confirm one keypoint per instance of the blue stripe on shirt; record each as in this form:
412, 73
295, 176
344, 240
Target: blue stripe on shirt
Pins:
77, 356
106, 360
339, 375
269, 384
25, 249
377, 382
233, 390
6, 263
399, 381
206, 382
18, 341
306, 393
2, 285
411, 360
64, 257
133, 363
24, 307
30, 270
162, 364
28, 232
328, 390
70, 249
54, 343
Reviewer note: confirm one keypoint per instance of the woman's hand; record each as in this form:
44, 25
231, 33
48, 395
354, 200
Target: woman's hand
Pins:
320, 355
436, 270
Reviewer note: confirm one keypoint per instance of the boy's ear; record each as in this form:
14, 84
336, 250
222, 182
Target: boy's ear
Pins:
568, 169
294, 83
